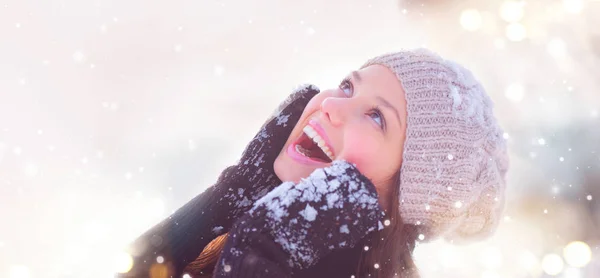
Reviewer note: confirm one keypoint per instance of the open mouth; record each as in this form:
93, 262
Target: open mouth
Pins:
311, 145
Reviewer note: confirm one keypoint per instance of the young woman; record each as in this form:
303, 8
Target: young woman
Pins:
344, 182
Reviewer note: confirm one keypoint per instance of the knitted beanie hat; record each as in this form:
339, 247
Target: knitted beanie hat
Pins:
452, 178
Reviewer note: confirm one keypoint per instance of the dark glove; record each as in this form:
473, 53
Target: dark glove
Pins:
241, 185
295, 225
180, 238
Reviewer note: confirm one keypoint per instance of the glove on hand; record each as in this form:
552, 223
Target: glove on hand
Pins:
241, 185
334, 208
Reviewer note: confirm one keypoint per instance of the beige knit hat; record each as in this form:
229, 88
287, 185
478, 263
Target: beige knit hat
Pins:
452, 179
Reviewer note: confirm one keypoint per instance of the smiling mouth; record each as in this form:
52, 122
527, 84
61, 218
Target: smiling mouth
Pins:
311, 145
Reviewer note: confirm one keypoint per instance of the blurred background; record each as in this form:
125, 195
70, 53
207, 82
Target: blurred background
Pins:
115, 113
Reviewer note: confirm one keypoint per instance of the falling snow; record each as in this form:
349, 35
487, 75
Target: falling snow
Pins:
218, 229
79, 57
542, 141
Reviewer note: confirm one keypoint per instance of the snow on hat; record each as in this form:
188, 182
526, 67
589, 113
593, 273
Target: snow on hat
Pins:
452, 178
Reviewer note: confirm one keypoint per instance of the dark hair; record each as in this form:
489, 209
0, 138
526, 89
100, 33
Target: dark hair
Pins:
390, 248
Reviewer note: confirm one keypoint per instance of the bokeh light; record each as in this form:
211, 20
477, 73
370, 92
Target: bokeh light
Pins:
471, 20
552, 264
577, 254
159, 270
491, 258
123, 262
516, 32
512, 11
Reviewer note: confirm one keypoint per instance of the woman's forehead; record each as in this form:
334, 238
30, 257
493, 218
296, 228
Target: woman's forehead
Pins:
380, 81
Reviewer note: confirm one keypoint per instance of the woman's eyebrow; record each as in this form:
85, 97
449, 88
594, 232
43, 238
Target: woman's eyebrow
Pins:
390, 106
356, 76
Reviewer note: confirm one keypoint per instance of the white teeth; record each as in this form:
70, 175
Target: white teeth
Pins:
310, 132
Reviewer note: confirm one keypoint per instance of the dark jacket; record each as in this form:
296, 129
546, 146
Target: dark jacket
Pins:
191, 228
340, 263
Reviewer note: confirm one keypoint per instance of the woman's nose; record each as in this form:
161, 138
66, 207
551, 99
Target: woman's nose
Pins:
335, 110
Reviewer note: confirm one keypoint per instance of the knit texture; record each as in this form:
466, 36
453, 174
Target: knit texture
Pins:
452, 178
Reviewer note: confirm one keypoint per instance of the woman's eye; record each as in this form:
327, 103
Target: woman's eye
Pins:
376, 116
346, 87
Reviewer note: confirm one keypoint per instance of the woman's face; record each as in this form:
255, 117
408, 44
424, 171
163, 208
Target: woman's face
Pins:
363, 121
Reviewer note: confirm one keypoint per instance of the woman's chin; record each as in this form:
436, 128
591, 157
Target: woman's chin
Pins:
290, 168
289, 171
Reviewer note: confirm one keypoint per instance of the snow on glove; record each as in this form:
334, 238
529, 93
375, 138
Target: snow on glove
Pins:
180, 238
295, 225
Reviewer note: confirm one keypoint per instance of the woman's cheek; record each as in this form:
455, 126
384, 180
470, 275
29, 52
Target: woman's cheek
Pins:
359, 149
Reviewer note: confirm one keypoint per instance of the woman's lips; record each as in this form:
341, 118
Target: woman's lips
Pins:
298, 157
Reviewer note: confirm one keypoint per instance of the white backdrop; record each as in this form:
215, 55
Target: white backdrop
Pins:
115, 113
